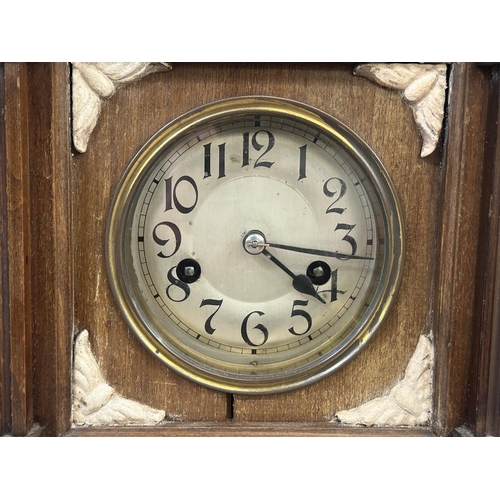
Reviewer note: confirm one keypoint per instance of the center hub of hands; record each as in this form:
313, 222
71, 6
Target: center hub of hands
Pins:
254, 242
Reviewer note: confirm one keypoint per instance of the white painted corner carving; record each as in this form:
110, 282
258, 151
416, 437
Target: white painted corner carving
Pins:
422, 87
95, 402
408, 403
93, 83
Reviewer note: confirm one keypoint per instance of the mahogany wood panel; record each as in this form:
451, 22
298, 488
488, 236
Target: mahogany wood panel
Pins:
51, 251
135, 113
5, 411
484, 393
253, 429
17, 290
456, 274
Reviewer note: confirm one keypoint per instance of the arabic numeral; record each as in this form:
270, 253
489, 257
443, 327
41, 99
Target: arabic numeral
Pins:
207, 166
176, 283
208, 323
269, 144
260, 327
172, 196
300, 312
334, 188
348, 237
160, 237
302, 162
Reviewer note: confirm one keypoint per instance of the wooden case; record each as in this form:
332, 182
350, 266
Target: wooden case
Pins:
54, 207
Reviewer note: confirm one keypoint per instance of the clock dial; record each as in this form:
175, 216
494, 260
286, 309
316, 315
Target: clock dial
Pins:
255, 245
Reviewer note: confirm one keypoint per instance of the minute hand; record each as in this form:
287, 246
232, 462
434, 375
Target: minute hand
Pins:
324, 253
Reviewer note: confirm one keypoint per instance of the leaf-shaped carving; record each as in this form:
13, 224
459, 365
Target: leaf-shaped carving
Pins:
423, 88
93, 83
408, 403
95, 402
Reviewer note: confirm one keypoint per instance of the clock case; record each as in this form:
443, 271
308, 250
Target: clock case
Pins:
54, 205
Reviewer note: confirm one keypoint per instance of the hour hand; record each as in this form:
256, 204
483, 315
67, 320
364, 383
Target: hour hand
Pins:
300, 282
253, 243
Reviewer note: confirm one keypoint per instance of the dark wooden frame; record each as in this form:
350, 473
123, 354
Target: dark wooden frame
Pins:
37, 283
483, 415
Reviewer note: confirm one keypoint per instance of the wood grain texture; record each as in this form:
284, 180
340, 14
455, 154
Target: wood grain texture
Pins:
5, 409
484, 392
134, 114
19, 250
458, 242
253, 429
51, 250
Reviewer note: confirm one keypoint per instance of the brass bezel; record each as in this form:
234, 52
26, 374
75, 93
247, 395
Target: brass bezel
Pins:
393, 227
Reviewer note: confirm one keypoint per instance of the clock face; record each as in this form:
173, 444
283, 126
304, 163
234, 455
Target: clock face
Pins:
255, 245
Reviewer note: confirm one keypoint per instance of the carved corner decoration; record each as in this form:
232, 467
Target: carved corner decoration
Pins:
93, 83
422, 87
95, 402
409, 401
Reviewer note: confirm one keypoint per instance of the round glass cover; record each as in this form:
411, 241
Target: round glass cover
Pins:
255, 244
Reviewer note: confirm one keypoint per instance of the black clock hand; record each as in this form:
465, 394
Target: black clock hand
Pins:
324, 253
300, 282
